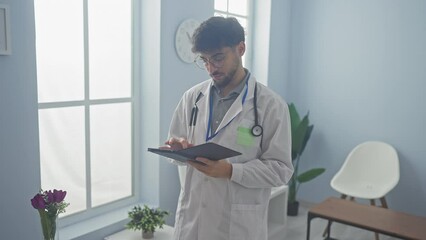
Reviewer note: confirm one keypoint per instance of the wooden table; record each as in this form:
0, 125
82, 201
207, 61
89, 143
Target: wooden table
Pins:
377, 219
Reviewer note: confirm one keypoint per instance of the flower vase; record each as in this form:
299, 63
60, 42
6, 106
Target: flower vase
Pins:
147, 235
48, 224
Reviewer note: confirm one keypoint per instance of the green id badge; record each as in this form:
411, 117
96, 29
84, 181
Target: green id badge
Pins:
244, 136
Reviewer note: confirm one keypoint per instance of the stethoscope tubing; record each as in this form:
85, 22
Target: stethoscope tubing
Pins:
256, 130
194, 111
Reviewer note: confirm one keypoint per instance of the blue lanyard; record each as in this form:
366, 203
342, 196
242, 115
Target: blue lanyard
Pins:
209, 135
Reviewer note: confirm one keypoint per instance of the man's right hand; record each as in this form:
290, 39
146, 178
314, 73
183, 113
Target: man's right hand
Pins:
177, 144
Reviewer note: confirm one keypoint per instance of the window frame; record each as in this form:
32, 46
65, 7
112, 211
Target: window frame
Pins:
248, 34
122, 204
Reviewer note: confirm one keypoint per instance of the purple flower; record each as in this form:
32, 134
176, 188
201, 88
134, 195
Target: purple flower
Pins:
38, 202
56, 196
50, 202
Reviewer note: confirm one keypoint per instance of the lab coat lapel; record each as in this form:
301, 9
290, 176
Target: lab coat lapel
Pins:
204, 108
237, 106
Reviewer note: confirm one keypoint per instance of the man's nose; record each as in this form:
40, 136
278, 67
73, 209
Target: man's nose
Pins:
210, 67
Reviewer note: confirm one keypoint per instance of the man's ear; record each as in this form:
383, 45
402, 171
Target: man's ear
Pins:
241, 48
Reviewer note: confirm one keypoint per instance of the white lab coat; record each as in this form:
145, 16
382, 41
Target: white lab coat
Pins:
215, 208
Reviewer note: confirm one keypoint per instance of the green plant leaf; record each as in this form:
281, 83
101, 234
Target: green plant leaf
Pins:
309, 175
299, 136
300, 132
307, 136
294, 117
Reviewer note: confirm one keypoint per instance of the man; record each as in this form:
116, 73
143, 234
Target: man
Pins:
228, 198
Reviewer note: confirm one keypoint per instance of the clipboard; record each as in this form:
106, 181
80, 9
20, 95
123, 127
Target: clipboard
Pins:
208, 150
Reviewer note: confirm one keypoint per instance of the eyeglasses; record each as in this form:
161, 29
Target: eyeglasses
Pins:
217, 60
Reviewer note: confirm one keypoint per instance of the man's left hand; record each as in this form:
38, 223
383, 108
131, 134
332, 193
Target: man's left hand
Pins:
218, 169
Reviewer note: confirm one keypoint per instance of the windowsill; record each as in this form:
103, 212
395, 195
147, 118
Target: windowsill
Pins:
119, 217
165, 233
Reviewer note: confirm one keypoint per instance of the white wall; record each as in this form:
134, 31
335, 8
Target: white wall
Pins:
359, 68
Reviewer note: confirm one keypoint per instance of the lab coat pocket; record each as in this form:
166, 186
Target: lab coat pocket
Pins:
244, 136
245, 220
245, 141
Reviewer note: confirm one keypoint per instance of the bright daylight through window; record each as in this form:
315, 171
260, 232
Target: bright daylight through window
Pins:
240, 9
84, 77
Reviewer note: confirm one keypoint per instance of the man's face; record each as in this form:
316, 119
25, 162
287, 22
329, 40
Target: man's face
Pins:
222, 65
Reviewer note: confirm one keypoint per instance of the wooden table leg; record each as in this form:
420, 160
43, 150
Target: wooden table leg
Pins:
308, 230
328, 229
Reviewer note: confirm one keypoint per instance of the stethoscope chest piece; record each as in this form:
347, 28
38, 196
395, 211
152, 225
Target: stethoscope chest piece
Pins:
257, 130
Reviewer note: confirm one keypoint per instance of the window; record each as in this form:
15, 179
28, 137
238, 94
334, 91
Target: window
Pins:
240, 9
86, 100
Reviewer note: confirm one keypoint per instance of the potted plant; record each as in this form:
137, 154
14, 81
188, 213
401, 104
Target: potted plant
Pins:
300, 134
146, 219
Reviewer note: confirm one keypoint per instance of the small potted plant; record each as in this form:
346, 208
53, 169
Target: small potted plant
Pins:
146, 219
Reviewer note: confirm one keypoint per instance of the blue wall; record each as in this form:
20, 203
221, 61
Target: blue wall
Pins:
19, 154
358, 67
176, 78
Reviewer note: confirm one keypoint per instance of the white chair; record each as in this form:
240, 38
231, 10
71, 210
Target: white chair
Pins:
370, 171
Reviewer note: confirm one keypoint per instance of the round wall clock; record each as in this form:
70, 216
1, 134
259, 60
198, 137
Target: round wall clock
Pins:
183, 40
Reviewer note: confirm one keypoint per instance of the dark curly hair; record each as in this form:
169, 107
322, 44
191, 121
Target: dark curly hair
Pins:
216, 33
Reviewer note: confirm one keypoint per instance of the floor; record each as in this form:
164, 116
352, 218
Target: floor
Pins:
296, 229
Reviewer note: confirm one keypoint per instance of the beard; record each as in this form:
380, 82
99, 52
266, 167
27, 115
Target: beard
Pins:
226, 77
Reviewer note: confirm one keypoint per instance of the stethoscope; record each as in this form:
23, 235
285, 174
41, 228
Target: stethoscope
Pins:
256, 130
194, 111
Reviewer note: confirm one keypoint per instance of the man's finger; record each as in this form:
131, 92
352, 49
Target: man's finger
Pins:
203, 160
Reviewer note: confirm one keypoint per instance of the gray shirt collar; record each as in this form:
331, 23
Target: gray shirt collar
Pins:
237, 90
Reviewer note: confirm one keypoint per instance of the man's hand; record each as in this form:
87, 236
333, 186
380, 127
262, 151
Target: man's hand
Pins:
218, 169
177, 144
